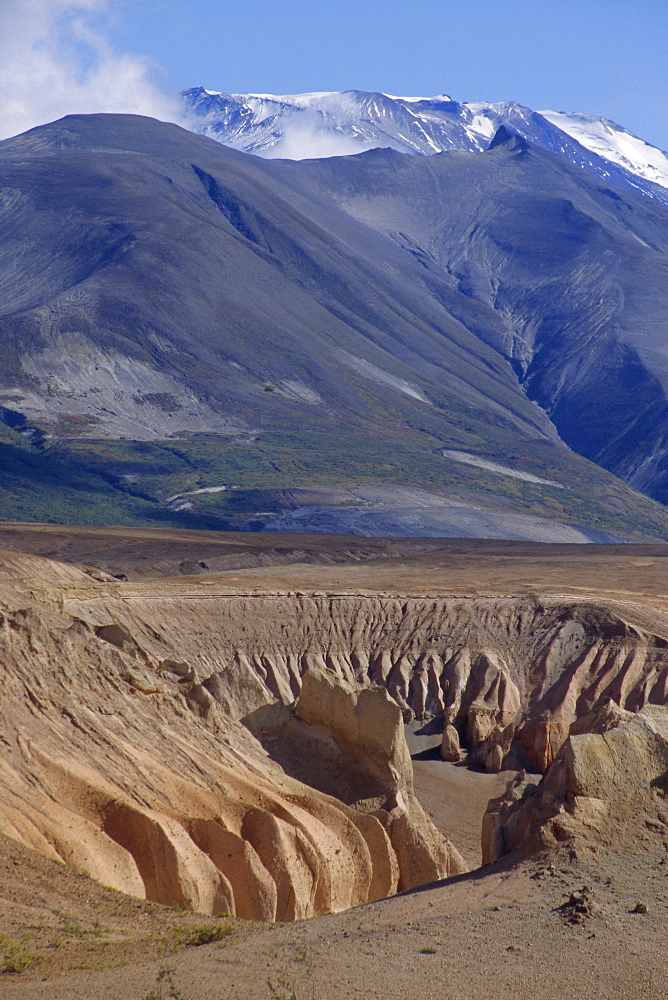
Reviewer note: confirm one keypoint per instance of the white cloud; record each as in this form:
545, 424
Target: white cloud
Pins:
56, 59
304, 135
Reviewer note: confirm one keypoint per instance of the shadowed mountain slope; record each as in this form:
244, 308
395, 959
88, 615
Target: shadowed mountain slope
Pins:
200, 332
575, 273
302, 126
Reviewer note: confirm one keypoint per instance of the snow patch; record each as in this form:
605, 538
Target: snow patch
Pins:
614, 143
417, 100
330, 123
192, 493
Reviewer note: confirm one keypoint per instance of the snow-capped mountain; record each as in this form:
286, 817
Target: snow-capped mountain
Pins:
614, 143
290, 340
333, 124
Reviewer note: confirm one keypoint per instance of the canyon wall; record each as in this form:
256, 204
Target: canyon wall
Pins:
128, 770
158, 741
494, 668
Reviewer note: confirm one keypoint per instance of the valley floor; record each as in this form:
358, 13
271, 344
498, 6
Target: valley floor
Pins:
502, 931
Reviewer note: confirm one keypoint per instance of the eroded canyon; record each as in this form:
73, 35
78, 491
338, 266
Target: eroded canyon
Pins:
232, 744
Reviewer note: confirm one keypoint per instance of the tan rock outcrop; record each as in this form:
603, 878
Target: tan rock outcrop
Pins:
600, 787
493, 752
368, 726
450, 746
493, 698
422, 853
607, 715
365, 721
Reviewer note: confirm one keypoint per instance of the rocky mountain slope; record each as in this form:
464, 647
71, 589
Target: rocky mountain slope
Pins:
573, 351
302, 126
200, 337
154, 262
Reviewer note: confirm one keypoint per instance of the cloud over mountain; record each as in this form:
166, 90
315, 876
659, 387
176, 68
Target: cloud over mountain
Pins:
56, 59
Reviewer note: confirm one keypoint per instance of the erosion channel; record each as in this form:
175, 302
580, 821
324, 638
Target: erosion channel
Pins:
246, 754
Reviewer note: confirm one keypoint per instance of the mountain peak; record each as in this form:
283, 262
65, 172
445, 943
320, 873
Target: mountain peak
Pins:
324, 124
511, 140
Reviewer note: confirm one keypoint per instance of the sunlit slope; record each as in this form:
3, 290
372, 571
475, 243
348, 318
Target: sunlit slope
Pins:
177, 315
575, 273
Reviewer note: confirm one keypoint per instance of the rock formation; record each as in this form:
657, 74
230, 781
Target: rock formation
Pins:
496, 669
133, 770
365, 722
601, 786
125, 753
450, 745
368, 728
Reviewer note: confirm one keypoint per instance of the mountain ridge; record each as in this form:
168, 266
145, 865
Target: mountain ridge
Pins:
339, 123
222, 336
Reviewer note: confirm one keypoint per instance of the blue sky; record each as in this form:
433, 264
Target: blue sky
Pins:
605, 57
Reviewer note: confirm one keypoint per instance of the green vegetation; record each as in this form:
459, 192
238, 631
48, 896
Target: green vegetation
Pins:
15, 957
282, 988
165, 987
77, 480
283, 985
73, 927
193, 937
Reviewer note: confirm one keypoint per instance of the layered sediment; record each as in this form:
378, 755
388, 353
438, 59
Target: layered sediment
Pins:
134, 771
496, 669
160, 743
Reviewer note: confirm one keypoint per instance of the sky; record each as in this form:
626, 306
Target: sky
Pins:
602, 57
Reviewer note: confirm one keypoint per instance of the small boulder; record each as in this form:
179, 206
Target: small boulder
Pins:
450, 748
494, 760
